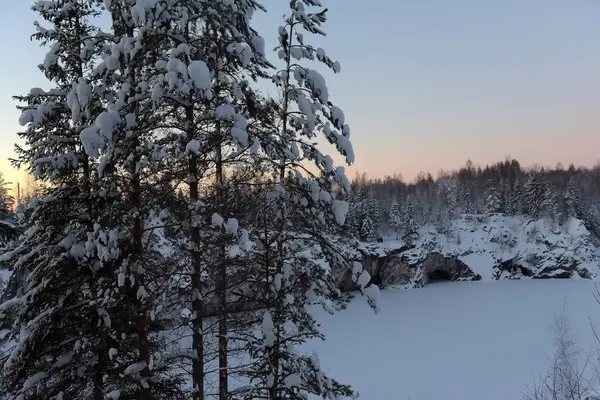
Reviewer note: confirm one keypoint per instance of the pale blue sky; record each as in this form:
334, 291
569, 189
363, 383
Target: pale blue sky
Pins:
425, 84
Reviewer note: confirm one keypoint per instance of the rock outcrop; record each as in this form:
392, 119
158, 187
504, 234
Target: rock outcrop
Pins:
479, 247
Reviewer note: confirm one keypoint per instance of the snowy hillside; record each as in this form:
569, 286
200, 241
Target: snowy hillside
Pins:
455, 340
487, 248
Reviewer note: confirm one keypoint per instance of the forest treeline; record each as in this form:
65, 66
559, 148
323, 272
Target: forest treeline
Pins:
392, 207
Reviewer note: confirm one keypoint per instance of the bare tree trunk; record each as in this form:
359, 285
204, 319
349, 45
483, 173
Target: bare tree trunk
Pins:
197, 334
221, 285
99, 368
141, 321
95, 330
275, 353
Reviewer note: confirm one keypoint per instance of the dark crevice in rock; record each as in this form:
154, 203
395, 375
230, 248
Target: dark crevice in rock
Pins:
514, 268
438, 267
394, 268
439, 275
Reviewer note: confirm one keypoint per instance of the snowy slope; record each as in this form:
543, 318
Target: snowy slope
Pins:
455, 340
491, 247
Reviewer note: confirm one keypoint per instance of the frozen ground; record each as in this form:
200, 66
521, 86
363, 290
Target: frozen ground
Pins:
455, 340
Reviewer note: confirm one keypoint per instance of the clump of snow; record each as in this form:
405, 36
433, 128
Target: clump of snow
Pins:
200, 75
34, 380
217, 220
232, 226
340, 210
238, 130
225, 111
363, 279
193, 146
268, 330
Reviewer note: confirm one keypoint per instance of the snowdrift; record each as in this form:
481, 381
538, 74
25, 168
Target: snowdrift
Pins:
478, 247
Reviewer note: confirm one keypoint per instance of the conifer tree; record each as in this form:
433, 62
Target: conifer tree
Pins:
517, 198
508, 196
549, 203
573, 200
533, 197
60, 320
132, 154
451, 203
374, 212
367, 229
357, 211
492, 198
201, 80
395, 216
8, 230
465, 202
303, 205
411, 232
351, 224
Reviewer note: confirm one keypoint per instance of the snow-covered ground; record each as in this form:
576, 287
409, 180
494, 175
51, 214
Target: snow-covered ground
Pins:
455, 340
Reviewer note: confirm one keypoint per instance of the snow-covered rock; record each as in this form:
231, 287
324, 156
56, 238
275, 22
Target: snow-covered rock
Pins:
484, 247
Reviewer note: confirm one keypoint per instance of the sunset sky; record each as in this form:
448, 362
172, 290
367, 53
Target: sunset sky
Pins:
425, 84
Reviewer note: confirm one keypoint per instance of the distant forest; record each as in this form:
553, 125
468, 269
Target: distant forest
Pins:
392, 207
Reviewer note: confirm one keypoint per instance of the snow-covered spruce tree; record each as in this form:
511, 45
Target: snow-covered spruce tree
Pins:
508, 203
59, 316
465, 202
367, 229
451, 199
356, 211
374, 211
533, 196
549, 203
128, 141
573, 205
492, 198
395, 216
410, 232
350, 224
201, 90
441, 215
234, 53
517, 198
303, 205
8, 230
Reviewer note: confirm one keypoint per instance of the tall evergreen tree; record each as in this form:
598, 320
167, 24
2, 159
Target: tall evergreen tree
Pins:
360, 209
492, 198
517, 197
508, 198
465, 202
549, 203
395, 216
305, 205
8, 230
573, 201
533, 196
351, 225
60, 320
374, 211
367, 229
411, 233
127, 140
202, 80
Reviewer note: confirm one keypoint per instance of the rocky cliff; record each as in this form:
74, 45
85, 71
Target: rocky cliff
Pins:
482, 248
